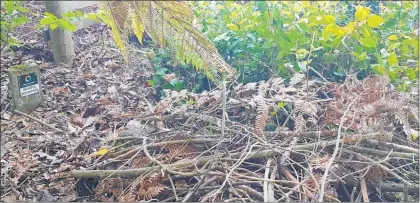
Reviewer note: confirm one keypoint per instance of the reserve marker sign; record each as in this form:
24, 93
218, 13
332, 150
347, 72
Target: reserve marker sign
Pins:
28, 84
25, 87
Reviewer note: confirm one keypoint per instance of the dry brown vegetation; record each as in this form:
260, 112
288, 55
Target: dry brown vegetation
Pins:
275, 140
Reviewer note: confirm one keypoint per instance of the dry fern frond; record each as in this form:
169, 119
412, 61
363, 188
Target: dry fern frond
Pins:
150, 186
299, 123
377, 106
171, 155
115, 15
178, 152
372, 173
140, 162
153, 179
130, 197
163, 105
375, 174
306, 107
168, 23
119, 13
208, 98
149, 193
262, 115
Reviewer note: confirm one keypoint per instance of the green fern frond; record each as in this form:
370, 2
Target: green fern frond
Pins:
115, 16
119, 12
138, 26
167, 23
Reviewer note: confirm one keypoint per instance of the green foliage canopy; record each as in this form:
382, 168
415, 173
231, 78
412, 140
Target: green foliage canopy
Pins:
258, 38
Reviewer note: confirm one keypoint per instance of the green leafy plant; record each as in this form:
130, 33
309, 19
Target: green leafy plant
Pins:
260, 39
12, 16
66, 22
172, 74
163, 72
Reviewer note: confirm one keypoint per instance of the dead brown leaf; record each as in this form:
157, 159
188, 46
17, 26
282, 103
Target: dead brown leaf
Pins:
77, 120
60, 90
111, 64
88, 76
104, 101
169, 77
127, 115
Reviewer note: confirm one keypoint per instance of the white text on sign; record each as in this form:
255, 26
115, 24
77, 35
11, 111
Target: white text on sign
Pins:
25, 91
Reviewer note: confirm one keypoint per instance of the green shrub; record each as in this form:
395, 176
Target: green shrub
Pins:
264, 38
173, 74
11, 17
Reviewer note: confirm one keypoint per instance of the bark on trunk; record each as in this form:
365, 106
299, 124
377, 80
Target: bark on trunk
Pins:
61, 40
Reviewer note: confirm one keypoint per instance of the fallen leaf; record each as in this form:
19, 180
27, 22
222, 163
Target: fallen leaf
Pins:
92, 111
90, 121
6, 116
414, 135
104, 101
112, 89
59, 90
111, 64
77, 120
71, 129
169, 77
88, 76
102, 152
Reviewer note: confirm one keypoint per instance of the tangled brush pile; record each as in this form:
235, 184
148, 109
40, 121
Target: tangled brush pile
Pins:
276, 144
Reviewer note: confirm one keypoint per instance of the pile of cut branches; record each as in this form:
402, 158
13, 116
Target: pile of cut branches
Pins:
264, 141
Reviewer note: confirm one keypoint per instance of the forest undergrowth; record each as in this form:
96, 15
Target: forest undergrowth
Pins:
135, 132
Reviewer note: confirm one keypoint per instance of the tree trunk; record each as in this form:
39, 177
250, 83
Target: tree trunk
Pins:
61, 40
